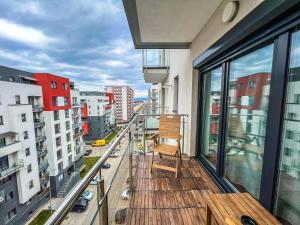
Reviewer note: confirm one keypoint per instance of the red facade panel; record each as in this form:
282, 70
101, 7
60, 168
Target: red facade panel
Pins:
243, 88
85, 128
215, 108
111, 99
84, 111
62, 90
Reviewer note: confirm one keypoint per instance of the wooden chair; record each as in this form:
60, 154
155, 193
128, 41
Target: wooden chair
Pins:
169, 128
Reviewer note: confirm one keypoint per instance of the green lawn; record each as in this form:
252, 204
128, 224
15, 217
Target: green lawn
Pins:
41, 218
89, 162
110, 137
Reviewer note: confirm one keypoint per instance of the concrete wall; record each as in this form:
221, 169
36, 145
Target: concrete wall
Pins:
96, 128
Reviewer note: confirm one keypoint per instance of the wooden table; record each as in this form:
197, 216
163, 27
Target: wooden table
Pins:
228, 209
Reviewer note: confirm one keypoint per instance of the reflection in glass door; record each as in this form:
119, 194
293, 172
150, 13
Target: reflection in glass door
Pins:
247, 109
211, 114
288, 193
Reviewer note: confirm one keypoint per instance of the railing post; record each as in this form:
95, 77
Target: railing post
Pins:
130, 159
103, 210
182, 134
144, 124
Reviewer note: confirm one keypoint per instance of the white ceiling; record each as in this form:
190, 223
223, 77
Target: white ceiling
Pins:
182, 19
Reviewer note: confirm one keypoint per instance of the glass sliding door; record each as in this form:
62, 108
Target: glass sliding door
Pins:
211, 114
288, 193
247, 110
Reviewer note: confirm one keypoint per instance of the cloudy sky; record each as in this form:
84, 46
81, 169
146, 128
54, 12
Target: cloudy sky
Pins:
86, 40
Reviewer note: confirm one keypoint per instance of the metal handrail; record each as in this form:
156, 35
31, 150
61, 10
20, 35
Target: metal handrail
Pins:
59, 215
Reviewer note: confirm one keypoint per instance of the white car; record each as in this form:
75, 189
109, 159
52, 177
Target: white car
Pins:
87, 195
125, 194
95, 180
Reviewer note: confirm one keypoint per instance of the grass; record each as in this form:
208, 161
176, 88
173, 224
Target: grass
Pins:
89, 162
41, 218
111, 136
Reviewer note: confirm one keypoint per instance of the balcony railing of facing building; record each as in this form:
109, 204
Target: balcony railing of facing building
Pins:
114, 190
14, 167
39, 123
37, 108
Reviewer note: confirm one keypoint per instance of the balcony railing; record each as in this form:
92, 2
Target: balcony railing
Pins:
39, 123
40, 137
41, 151
37, 108
43, 165
45, 178
76, 104
11, 169
76, 125
156, 58
109, 189
78, 134
10, 148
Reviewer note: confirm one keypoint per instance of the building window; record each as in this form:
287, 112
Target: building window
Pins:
66, 101
53, 85
12, 79
70, 158
60, 166
289, 134
54, 101
57, 128
30, 184
1, 120
58, 141
69, 148
27, 151
67, 113
9, 196
67, 125
18, 99
56, 115
65, 86
25, 133
252, 84
11, 214
291, 115
23, 116
68, 136
2, 142
59, 154
29, 169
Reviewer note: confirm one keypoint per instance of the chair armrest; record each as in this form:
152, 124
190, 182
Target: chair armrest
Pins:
153, 136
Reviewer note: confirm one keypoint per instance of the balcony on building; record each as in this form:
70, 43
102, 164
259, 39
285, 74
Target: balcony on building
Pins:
11, 168
155, 65
11, 143
77, 124
40, 136
38, 123
77, 134
44, 178
43, 164
41, 151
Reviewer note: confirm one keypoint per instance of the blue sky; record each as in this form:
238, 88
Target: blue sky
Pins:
86, 40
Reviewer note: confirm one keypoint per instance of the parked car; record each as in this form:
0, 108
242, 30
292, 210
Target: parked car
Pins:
87, 195
95, 180
87, 152
105, 165
125, 194
113, 155
80, 205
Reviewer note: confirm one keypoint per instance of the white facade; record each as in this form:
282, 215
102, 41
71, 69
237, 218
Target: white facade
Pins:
123, 96
96, 103
18, 118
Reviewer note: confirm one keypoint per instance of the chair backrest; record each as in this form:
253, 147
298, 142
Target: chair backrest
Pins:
236, 129
169, 126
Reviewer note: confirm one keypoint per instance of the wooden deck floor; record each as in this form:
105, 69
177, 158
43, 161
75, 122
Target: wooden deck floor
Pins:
160, 198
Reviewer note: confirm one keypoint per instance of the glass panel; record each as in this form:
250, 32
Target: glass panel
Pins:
211, 114
288, 196
248, 97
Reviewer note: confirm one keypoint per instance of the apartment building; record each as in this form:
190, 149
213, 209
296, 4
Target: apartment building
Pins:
153, 97
124, 100
77, 126
100, 111
23, 152
233, 68
61, 139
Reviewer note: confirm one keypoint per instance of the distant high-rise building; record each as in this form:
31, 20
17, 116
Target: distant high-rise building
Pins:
124, 97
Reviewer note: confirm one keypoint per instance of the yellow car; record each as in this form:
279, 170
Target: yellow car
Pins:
140, 146
99, 143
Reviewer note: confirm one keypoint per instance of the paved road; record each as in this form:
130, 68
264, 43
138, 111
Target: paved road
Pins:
117, 187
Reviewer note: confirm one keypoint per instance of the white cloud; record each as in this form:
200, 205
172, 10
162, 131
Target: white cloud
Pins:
115, 63
24, 34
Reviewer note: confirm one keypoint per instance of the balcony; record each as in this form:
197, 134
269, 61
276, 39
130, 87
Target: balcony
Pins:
39, 123
77, 125
11, 169
78, 134
45, 178
155, 65
10, 148
37, 108
43, 164
41, 151
40, 138
76, 104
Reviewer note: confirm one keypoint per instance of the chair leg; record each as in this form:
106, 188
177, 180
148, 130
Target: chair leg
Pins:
151, 162
177, 167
